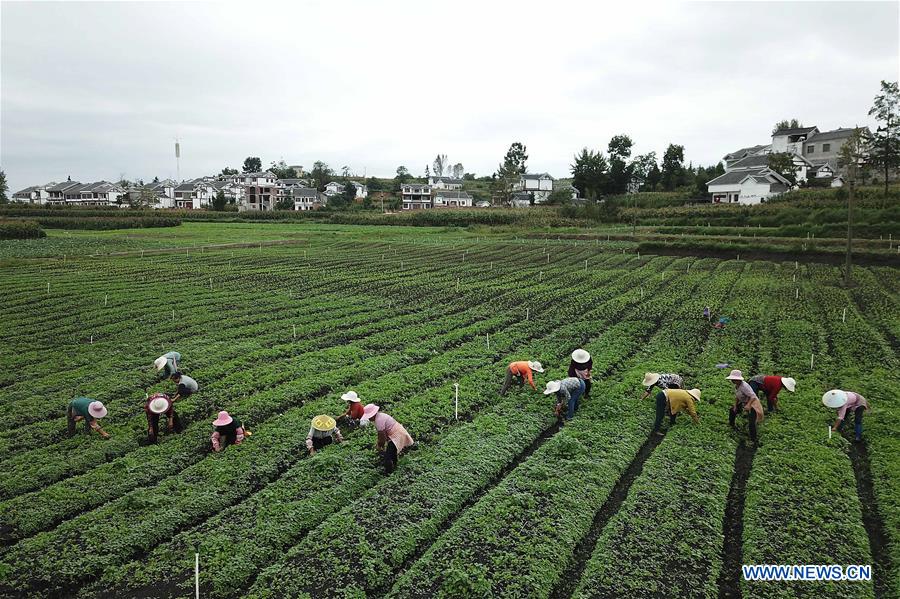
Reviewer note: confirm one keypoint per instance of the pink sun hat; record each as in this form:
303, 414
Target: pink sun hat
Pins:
736, 375
223, 419
369, 411
97, 409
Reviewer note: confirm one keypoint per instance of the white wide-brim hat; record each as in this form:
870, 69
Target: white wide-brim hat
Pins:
695, 393
158, 405
552, 387
736, 375
536, 366
350, 396
789, 383
160, 362
834, 398
650, 379
581, 356
97, 409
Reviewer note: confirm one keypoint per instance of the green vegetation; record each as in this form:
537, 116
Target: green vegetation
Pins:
20, 229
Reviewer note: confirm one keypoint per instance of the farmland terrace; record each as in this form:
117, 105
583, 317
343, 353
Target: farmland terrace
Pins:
276, 321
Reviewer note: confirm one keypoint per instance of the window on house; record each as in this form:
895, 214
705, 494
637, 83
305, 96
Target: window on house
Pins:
826, 147
810, 149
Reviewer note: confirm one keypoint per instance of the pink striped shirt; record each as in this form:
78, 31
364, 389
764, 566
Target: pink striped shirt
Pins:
854, 400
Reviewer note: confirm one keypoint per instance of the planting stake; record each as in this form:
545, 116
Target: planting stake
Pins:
210, 283
106, 299
642, 292
829, 433
488, 339
457, 283
92, 340
812, 358
739, 258
527, 311
540, 276
796, 264
456, 400
844, 317
795, 277
48, 286
197, 575
295, 330
173, 315
797, 293
585, 265
492, 265
548, 257
142, 253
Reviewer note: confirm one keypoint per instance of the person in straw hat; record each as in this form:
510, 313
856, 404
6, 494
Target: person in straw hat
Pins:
580, 367
322, 432
157, 405
520, 372
354, 410
167, 364
392, 437
89, 410
847, 401
226, 431
568, 391
673, 402
662, 381
771, 385
745, 400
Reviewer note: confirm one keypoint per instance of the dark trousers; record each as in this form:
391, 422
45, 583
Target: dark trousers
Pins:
71, 422
153, 424
320, 442
771, 404
390, 457
587, 388
662, 407
857, 424
519, 379
751, 415
573, 401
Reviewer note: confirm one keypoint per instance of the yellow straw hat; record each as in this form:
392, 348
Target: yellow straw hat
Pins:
323, 423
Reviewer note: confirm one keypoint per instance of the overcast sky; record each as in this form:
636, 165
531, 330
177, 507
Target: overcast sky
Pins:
95, 90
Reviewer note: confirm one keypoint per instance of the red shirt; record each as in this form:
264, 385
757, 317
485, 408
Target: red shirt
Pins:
355, 410
771, 386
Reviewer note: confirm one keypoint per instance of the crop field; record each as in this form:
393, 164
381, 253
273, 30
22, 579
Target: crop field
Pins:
496, 500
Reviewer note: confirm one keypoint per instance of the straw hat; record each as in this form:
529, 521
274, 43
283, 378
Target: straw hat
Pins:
96, 409
736, 375
650, 379
369, 410
695, 393
159, 403
160, 362
323, 423
536, 366
789, 383
552, 387
223, 419
350, 396
581, 356
834, 398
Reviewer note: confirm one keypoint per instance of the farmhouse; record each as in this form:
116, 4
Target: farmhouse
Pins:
452, 199
334, 188
448, 183
521, 199
415, 196
36, 194
540, 186
101, 193
747, 186
195, 194
307, 198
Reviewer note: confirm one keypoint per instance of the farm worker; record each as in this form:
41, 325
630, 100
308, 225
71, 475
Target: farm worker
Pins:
771, 385
159, 404
846, 401
521, 371
745, 400
321, 433
186, 386
167, 364
226, 431
568, 391
580, 367
392, 437
85, 408
673, 402
354, 410
663, 381
707, 313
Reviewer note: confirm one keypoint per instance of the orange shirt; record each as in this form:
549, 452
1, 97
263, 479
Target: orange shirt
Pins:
524, 370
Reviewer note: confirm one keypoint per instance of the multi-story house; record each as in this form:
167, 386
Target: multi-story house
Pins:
415, 196
36, 194
195, 194
334, 188
540, 186
824, 147
448, 183
56, 193
307, 198
259, 197
101, 193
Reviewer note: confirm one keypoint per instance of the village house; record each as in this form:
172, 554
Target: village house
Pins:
195, 194
747, 186
415, 196
233, 191
307, 198
101, 193
447, 183
36, 194
55, 193
334, 188
259, 197
540, 186
521, 199
451, 199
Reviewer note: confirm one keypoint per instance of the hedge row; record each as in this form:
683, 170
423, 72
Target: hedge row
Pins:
20, 229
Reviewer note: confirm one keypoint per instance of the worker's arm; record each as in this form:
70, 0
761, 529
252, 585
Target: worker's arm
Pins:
647, 392
692, 410
382, 440
530, 376
96, 426
337, 436
309, 442
836, 424
239, 436
215, 441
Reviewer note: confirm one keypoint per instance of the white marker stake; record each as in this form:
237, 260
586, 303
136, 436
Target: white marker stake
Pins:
456, 401
173, 315
795, 277
210, 283
585, 265
457, 283
197, 576
492, 265
642, 292
92, 340
812, 359
48, 286
548, 257
142, 253
540, 276
488, 339
106, 300
527, 313
797, 293
829, 433
295, 330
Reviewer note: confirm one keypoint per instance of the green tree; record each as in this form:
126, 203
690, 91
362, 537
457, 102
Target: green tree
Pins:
783, 164
349, 192
884, 145
284, 204
641, 166
458, 170
590, 170
619, 150
510, 171
282, 171
468, 176
227, 172
321, 173
402, 177
786, 124
374, 184
4, 188
219, 202
252, 164
439, 164
673, 167
559, 197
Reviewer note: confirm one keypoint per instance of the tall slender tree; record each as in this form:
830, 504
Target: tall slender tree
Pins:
884, 145
510, 171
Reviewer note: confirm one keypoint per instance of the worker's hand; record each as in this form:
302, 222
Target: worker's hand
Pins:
312, 451
104, 434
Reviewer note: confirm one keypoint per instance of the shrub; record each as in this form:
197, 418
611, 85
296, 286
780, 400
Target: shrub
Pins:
20, 229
